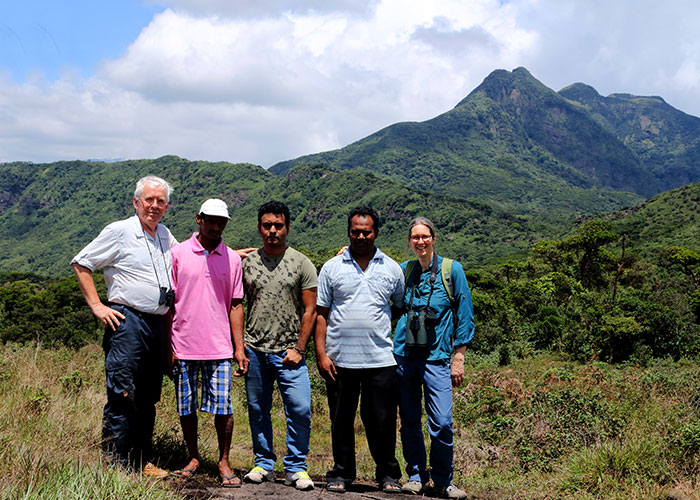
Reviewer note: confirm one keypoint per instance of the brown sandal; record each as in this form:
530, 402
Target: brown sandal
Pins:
391, 486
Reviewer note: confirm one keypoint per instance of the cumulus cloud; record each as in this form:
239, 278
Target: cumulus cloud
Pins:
268, 88
305, 60
645, 47
184, 58
267, 81
92, 119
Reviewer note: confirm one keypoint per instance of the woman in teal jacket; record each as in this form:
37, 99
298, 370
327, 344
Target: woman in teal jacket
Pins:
436, 324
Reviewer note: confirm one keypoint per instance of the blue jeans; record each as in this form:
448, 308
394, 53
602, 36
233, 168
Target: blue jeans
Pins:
293, 383
432, 378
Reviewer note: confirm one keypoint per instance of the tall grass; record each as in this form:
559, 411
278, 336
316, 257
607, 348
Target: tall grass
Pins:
540, 428
50, 418
50, 413
548, 428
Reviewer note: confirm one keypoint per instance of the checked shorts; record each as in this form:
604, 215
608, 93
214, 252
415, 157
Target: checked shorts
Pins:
216, 386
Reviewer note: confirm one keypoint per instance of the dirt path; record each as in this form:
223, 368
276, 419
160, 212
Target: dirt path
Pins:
205, 488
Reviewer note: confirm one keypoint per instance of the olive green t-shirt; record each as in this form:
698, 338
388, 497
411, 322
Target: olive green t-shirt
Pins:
273, 286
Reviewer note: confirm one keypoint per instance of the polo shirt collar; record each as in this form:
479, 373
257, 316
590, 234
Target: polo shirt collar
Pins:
378, 254
198, 248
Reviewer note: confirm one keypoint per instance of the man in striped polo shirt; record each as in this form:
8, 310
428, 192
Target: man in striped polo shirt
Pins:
357, 291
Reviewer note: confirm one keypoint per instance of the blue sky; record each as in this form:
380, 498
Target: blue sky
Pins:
51, 37
270, 80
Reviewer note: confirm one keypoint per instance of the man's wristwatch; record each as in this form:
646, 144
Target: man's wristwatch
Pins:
300, 351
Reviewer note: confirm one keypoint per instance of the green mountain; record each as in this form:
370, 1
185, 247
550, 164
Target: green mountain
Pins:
50, 211
511, 142
512, 163
666, 140
668, 219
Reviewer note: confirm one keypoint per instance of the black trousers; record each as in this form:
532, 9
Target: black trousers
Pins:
376, 389
134, 357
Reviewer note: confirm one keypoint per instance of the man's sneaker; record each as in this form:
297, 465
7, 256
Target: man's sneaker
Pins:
257, 475
451, 491
300, 480
150, 470
412, 487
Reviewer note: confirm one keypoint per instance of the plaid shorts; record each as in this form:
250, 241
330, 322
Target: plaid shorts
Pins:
216, 386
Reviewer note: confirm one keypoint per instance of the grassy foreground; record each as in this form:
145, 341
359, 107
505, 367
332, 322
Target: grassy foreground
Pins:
538, 428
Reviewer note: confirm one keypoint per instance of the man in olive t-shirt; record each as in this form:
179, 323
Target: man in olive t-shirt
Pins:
280, 285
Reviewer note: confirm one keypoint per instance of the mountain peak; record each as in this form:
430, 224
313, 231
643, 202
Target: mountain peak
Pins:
522, 72
580, 92
500, 83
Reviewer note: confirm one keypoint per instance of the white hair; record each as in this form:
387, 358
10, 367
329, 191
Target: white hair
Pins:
157, 181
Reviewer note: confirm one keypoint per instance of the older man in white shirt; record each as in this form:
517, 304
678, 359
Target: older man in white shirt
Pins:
135, 256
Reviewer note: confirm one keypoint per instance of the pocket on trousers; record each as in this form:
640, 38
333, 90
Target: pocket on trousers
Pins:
119, 381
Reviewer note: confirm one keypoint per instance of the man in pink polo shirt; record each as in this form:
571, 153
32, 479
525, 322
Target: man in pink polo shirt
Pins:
207, 322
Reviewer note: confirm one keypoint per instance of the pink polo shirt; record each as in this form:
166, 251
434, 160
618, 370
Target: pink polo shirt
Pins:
204, 288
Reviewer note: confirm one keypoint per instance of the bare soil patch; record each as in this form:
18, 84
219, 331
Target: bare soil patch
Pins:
203, 487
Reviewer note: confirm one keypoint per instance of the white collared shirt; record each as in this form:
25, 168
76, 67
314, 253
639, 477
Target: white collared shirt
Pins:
135, 264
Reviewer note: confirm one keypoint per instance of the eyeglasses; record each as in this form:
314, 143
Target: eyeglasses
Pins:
269, 225
418, 237
154, 201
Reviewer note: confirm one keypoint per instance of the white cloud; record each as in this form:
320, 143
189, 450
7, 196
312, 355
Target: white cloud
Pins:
688, 75
624, 46
267, 8
182, 58
268, 88
267, 81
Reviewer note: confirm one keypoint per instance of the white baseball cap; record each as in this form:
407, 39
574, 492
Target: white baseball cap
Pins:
214, 207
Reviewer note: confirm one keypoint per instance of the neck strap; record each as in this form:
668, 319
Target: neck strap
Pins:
432, 279
162, 254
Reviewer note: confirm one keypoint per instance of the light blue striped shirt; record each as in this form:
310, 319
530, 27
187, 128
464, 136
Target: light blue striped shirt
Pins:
358, 334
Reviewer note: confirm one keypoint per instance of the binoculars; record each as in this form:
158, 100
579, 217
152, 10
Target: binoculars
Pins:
420, 327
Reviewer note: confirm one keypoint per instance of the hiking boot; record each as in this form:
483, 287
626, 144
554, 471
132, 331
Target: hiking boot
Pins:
412, 487
451, 491
150, 470
300, 480
257, 475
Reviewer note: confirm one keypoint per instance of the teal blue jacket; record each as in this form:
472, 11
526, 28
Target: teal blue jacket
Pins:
442, 346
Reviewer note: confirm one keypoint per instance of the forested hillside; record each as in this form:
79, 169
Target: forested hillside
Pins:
52, 210
512, 142
516, 143
665, 139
